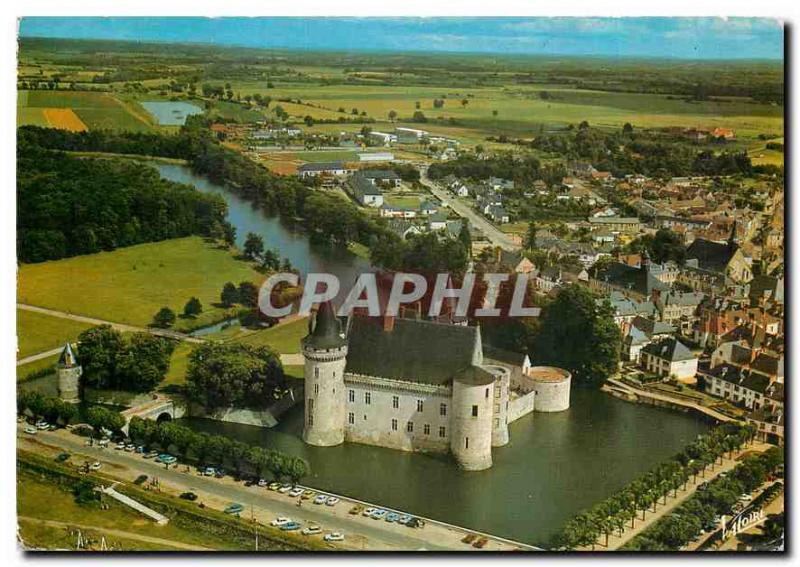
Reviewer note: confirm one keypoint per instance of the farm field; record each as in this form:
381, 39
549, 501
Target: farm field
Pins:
77, 111
37, 332
130, 285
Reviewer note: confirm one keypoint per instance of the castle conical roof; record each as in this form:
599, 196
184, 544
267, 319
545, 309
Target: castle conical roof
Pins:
325, 330
67, 358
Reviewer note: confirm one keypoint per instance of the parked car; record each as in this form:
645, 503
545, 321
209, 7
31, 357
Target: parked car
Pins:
745, 498
702, 486
331, 501
320, 499
209, 471
151, 455
313, 529
140, 479
95, 466
119, 446
333, 536
392, 517
140, 449
378, 514
262, 482
308, 494
280, 520
190, 496
285, 488
62, 457
233, 508
357, 509
52, 427
290, 527
42, 425
30, 430
404, 519
273, 485
295, 492
469, 538
130, 447
481, 543
368, 512
219, 473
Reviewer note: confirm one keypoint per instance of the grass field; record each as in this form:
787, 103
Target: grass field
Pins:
333, 155
284, 339
177, 365
37, 332
411, 201
71, 109
25, 370
131, 284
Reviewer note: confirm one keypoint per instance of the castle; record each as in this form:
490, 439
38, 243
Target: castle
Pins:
415, 385
68, 373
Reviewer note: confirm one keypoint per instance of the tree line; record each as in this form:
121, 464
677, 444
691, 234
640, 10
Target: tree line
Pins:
69, 206
219, 450
647, 492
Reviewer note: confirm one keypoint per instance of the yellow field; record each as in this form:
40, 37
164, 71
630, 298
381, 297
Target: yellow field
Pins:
65, 119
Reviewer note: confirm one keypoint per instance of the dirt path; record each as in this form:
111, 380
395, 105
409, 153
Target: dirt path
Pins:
118, 533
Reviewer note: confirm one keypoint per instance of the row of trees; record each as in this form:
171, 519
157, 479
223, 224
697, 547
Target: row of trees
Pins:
698, 512
234, 375
649, 491
70, 206
53, 409
134, 363
165, 317
217, 450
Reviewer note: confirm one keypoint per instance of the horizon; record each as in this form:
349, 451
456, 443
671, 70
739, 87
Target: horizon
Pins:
679, 39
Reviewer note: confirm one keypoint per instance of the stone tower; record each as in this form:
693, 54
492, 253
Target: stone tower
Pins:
325, 352
69, 375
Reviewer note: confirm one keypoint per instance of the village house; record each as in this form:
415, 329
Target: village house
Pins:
669, 358
725, 258
618, 225
365, 192
385, 177
336, 169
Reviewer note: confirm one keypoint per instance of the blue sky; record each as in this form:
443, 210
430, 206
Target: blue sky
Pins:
682, 38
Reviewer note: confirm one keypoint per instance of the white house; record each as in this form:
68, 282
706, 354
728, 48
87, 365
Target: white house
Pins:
669, 358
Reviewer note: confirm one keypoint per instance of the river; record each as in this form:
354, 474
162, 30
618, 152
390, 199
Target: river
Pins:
555, 465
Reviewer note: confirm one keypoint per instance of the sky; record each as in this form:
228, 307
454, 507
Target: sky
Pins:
680, 38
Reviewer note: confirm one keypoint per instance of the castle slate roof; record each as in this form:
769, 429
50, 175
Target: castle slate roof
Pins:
67, 358
635, 279
325, 329
710, 255
413, 350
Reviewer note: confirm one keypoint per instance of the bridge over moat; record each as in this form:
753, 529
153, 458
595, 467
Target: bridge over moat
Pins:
159, 409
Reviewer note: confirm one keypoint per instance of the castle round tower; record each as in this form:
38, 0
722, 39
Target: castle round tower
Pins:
502, 383
325, 352
552, 387
69, 374
471, 419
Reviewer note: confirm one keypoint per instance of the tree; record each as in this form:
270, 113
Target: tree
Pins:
309, 120
229, 295
271, 260
465, 238
164, 318
494, 113
253, 246
417, 105
530, 236
627, 129
248, 294
667, 245
193, 307
579, 335
392, 115
419, 116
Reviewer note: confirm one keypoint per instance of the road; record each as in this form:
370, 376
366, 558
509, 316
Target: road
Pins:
494, 234
361, 532
288, 359
118, 533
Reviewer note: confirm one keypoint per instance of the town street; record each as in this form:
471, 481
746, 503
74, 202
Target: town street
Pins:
360, 532
494, 234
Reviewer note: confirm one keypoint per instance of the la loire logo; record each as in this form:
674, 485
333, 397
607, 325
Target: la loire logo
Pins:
741, 522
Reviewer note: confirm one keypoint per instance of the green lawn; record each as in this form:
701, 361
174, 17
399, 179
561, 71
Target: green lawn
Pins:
344, 155
410, 201
130, 285
37, 332
176, 375
25, 370
284, 338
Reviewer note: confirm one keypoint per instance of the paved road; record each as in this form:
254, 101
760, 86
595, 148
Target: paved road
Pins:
361, 532
494, 234
288, 359
118, 533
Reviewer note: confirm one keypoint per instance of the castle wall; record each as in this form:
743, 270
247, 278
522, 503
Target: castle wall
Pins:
520, 406
69, 384
370, 405
471, 438
552, 386
500, 404
324, 396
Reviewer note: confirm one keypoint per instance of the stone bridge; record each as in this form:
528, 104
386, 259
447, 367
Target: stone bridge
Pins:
159, 409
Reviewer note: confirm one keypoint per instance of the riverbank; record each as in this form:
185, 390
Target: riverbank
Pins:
136, 157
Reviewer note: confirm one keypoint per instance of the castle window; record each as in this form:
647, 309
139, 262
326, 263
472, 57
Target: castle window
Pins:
310, 404
474, 411
367, 398
442, 409
419, 405
394, 425
466, 442
395, 402
351, 418
311, 419
410, 427
426, 429
487, 393
442, 431
352, 395
316, 389
316, 372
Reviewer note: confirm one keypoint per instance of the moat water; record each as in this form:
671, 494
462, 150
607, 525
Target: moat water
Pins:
555, 465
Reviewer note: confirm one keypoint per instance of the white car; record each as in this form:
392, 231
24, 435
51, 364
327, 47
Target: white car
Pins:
745, 498
368, 512
285, 488
119, 446
30, 430
331, 501
280, 521
42, 425
312, 530
95, 466
295, 492
334, 536
262, 482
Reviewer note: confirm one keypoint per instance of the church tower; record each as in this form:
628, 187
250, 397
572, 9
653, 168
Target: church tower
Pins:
69, 374
325, 353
